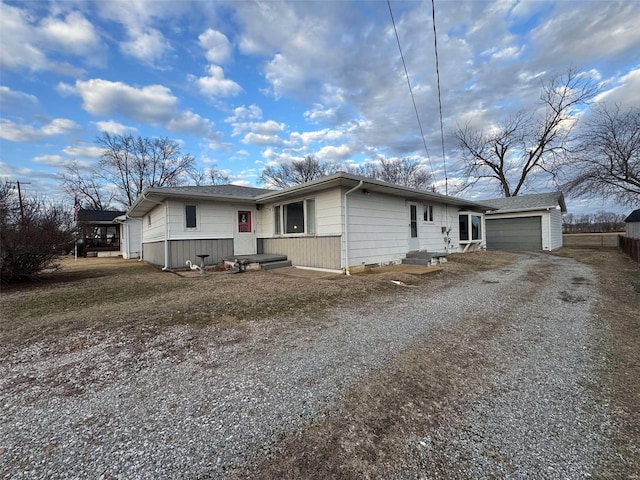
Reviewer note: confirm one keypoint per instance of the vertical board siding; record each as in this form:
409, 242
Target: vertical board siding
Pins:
317, 252
182, 250
633, 229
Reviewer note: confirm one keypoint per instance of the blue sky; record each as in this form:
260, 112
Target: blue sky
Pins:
242, 85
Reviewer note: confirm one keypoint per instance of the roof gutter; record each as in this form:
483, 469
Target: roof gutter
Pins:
346, 226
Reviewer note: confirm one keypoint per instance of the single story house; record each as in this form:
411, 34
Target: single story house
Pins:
633, 224
525, 222
98, 232
337, 222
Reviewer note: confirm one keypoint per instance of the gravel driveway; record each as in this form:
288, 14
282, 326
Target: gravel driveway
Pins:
192, 403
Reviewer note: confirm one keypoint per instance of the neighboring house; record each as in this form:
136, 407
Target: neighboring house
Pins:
633, 224
525, 222
98, 232
337, 222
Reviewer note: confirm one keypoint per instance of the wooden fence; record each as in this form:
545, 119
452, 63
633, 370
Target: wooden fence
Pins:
630, 246
590, 240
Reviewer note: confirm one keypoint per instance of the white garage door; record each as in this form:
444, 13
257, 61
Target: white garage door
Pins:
522, 233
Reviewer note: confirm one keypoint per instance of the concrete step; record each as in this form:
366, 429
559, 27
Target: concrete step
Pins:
416, 261
419, 254
276, 264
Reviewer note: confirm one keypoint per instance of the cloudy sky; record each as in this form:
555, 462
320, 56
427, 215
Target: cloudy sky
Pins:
242, 85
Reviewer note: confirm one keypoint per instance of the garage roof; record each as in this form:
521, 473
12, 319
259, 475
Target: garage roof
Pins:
633, 216
537, 201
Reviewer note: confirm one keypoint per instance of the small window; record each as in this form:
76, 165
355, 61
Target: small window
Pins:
190, 215
276, 220
464, 227
428, 213
148, 220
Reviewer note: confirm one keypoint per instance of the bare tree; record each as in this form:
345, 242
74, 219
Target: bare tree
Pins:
208, 176
296, 172
404, 171
526, 143
608, 162
134, 164
87, 188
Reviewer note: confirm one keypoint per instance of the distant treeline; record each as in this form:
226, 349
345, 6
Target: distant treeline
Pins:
600, 222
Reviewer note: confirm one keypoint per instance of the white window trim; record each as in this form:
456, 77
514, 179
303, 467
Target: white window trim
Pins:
198, 223
305, 215
432, 210
482, 228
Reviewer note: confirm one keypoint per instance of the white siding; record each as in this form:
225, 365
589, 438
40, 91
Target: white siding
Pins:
633, 229
328, 213
555, 235
379, 228
213, 220
155, 231
130, 238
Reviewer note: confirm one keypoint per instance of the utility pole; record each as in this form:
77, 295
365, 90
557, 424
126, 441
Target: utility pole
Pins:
17, 183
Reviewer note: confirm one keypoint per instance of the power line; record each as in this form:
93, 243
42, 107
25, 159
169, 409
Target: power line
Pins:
406, 72
435, 48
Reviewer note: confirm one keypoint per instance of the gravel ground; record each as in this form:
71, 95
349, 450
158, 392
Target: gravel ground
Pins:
194, 402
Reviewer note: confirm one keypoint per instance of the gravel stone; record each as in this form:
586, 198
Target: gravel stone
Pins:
193, 402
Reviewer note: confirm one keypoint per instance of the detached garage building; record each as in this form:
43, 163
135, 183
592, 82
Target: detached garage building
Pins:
525, 222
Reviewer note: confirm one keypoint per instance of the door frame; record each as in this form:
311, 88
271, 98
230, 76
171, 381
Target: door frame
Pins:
245, 242
414, 240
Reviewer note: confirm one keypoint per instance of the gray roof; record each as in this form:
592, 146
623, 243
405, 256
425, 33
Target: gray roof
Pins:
221, 190
633, 216
536, 201
98, 216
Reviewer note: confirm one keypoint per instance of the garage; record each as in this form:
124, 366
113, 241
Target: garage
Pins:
523, 233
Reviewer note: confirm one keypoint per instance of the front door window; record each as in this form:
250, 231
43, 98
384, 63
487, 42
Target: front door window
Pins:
414, 221
244, 221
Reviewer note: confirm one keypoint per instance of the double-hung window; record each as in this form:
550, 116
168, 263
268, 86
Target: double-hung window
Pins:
427, 215
295, 218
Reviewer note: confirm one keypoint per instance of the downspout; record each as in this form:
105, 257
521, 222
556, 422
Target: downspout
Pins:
346, 227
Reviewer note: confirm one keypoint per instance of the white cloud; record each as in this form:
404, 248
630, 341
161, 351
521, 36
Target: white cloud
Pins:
215, 85
153, 103
73, 34
148, 45
270, 127
252, 112
51, 160
335, 153
625, 91
27, 133
114, 127
14, 97
83, 151
25, 44
261, 139
217, 46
